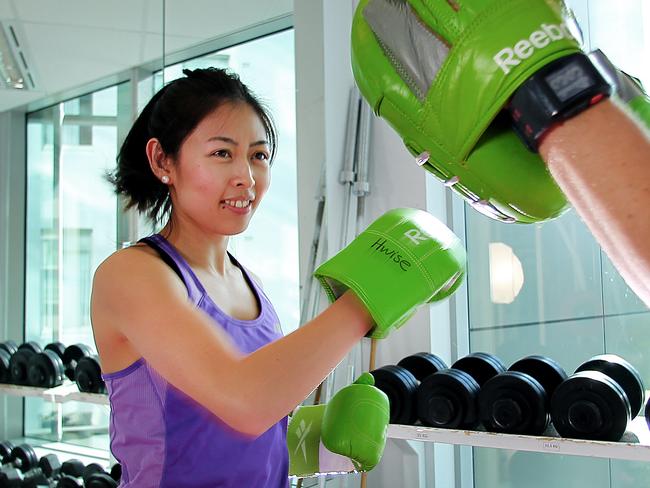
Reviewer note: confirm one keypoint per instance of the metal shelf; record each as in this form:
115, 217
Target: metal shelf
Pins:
635, 445
68, 392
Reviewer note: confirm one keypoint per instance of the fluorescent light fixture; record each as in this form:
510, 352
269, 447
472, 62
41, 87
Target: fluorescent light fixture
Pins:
506, 273
13, 74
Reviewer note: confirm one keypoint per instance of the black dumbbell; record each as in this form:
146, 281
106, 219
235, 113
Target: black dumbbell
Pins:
88, 375
518, 400
71, 357
34, 478
5, 367
449, 398
5, 452
10, 477
71, 474
22, 457
598, 400
116, 472
43, 475
94, 476
400, 383
7, 349
75, 475
19, 362
45, 369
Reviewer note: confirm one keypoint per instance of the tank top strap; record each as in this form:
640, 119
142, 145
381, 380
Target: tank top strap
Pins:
252, 283
172, 257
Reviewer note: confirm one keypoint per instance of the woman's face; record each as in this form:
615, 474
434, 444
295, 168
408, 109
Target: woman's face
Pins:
222, 170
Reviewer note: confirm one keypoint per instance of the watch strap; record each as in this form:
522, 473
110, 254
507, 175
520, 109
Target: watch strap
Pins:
560, 90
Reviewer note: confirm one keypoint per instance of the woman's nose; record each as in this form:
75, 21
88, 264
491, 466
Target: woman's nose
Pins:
244, 175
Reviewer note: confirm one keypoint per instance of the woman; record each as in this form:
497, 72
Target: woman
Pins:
199, 381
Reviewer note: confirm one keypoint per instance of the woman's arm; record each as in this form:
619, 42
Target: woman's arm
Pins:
141, 297
601, 161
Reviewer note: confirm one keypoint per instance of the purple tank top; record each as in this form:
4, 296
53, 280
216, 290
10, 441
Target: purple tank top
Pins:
163, 438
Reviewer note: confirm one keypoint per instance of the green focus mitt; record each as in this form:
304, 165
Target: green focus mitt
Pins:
441, 71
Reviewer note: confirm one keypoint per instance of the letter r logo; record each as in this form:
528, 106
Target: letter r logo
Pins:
415, 236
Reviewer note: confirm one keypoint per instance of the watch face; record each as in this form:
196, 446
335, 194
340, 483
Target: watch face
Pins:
569, 81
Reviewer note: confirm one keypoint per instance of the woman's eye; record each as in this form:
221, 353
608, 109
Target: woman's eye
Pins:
262, 156
221, 153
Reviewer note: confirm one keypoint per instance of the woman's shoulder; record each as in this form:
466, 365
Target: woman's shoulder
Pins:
130, 266
135, 256
134, 278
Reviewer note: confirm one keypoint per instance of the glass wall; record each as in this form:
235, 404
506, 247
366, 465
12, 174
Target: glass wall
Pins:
74, 218
72, 215
549, 289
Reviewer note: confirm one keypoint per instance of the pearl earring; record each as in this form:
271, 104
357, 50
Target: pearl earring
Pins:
165, 179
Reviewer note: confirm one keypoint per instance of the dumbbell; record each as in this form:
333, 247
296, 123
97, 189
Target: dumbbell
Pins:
9, 475
71, 474
116, 472
400, 383
6, 350
518, 400
19, 362
17, 462
71, 357
50, 466
449, 398
5, 452
88, 375
95, 477
45, 369
42, 475
598, 400
12, 477
76, 475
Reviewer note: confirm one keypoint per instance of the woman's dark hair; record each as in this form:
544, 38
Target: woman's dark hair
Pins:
170, 116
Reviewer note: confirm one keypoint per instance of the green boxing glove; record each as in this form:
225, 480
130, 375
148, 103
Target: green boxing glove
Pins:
347, 434
307, 454
404, 259
355, 423
440, 72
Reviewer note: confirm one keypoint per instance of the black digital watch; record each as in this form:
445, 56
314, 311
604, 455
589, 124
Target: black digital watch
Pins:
560, 90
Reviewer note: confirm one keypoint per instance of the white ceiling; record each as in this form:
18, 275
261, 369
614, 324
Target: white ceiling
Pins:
71, 43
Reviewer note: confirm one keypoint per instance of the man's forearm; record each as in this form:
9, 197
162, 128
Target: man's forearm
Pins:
601, 161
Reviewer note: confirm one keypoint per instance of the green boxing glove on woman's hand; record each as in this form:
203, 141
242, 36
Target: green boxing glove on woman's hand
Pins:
404, 259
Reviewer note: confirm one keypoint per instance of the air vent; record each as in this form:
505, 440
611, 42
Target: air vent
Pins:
15, 72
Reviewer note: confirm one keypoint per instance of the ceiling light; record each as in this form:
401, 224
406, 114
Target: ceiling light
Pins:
14, 72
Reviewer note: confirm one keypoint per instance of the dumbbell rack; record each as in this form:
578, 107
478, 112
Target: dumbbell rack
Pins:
628, 448
67, 392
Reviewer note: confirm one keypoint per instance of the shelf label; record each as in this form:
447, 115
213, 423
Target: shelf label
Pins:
551, 446
421, 435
